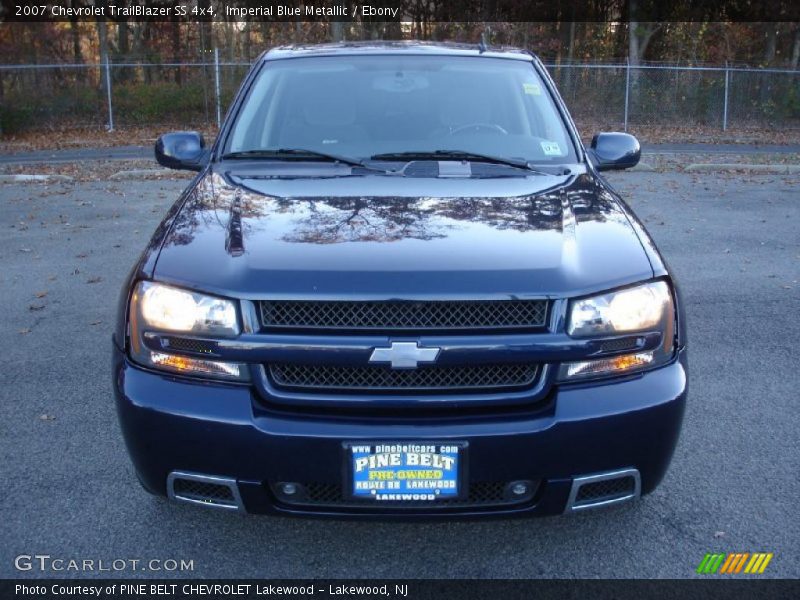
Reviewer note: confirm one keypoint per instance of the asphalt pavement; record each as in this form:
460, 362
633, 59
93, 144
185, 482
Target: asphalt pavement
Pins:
69, 490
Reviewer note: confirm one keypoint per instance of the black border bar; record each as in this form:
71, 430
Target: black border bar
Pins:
711, 588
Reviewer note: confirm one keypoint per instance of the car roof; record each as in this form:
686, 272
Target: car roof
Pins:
398, 47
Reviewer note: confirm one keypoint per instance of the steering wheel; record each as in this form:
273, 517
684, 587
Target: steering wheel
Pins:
478, 126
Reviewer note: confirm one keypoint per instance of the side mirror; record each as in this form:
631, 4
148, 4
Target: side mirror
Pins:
611, 151
182, 150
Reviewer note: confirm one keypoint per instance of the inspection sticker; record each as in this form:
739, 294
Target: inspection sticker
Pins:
551, 148
532, 88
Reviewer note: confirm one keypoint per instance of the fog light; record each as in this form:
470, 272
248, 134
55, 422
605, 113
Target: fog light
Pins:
289, 489
601, 366
194, 366
519, 489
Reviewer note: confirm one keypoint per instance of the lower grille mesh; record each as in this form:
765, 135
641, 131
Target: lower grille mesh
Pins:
480, 494
383, 379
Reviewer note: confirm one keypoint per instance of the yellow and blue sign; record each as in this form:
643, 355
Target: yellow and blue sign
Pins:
405, 471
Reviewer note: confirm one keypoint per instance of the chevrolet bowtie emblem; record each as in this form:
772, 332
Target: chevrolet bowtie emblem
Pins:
404, 355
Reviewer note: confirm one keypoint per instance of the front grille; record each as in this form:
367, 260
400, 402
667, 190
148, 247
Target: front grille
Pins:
405, 316
606, 489
480, 494
385, 379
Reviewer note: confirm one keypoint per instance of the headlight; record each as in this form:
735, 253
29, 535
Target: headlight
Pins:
163, 309
171, 309
641, 308
647, 307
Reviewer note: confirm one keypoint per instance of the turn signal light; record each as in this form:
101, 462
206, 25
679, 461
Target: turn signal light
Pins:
194, 366
605, 366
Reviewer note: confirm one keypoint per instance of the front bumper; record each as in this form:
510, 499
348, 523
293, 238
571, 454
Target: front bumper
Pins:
176, 424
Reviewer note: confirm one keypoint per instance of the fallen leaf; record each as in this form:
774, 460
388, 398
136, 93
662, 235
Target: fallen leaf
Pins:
41, 294
94, 280
24, 330
34, 307
46, 417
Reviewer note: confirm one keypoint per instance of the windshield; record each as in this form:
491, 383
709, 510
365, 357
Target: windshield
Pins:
367, 106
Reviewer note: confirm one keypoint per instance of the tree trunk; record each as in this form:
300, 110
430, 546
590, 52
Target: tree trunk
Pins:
176, 49
123, 49
772, 43
639, 36
793, 63
123, 39
570, 58
77, 55
337, 31
102, 38
393, 31
247, 43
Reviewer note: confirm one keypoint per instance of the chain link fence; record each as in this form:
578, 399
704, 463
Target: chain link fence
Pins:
196, 94
719, 97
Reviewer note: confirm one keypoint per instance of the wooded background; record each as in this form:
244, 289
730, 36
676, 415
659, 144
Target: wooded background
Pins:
681, 43
52, 73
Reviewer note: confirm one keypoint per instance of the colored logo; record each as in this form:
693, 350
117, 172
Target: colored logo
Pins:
734, 562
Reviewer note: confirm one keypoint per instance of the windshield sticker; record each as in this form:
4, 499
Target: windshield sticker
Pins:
551, 148
532, 88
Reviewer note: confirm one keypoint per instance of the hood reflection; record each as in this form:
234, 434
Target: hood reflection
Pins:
241, 213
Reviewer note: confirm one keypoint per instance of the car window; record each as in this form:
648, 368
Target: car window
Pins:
367, 105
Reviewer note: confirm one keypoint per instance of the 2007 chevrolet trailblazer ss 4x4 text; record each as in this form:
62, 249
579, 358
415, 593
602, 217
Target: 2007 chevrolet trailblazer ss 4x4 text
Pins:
398, 287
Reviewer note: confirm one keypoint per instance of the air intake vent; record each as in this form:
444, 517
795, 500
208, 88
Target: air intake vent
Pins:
603, 489
190, 345
620, 345
206, 490
405, 316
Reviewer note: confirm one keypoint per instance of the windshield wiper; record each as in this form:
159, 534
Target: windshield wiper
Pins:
459, 155
301, 153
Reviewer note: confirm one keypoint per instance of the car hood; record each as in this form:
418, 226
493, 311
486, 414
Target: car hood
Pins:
392, 237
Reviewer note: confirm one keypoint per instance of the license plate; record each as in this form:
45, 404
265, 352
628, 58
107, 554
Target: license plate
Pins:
405, 471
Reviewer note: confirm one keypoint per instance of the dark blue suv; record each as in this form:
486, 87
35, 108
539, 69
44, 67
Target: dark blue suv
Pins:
399, 287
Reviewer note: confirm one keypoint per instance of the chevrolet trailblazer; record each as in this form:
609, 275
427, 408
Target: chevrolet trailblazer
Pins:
398, 286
